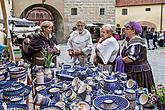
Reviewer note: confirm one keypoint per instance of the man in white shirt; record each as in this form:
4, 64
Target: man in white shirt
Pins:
80, 44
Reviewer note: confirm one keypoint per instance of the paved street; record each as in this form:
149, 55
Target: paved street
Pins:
156, 59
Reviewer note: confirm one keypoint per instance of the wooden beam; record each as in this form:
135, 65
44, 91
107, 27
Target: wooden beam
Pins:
7, 30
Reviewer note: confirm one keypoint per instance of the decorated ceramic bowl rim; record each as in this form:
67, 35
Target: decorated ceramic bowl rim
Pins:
46, 107
109, 96
51, 90
130, 91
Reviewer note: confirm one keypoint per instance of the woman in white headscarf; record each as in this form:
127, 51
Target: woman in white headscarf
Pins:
107, 49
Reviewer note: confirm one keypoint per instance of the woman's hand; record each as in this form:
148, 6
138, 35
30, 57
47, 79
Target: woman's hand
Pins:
127, 60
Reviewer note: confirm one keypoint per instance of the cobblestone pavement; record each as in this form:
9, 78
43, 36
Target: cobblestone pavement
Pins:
156, 59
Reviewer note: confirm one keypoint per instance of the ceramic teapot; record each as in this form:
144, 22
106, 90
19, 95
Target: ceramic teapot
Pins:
109, 83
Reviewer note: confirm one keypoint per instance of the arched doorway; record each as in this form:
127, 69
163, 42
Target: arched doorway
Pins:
39, 14
145, 25
42, 12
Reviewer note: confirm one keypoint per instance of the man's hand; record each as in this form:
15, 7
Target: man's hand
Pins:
70, 52
77, 53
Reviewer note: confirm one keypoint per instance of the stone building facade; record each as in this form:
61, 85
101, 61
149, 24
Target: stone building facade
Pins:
65, 13
150, 13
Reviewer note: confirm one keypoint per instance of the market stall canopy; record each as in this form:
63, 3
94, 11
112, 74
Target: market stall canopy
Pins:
19, 22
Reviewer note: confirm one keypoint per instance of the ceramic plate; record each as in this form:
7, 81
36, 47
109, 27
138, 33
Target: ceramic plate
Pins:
122, 102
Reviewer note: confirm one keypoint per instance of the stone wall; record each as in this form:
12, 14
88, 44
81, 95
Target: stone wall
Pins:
89, 11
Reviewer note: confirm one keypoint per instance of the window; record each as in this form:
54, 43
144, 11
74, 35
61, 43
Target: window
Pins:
73, 11
124, 11
102, 11
148, 9
41, 15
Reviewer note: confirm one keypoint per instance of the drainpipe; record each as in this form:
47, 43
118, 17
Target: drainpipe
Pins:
161, 16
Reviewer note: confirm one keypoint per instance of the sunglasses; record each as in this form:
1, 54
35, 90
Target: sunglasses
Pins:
80, 25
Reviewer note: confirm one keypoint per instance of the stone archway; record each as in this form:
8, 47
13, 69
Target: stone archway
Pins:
148, 24
39, 13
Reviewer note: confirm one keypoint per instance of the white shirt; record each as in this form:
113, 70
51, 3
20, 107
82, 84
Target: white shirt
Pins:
81, 42
108, 50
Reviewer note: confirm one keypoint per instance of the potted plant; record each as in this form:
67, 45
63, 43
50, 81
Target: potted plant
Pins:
48, 60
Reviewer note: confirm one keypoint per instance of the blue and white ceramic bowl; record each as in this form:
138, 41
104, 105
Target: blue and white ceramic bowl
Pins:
52, 107
17, 107
26, 92
17, 70
122, 103
16, 100
13, 88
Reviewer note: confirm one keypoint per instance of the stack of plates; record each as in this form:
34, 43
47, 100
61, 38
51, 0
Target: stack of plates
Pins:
17, 73
13, 89
3, 73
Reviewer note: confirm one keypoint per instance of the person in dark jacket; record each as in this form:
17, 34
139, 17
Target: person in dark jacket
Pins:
41, 43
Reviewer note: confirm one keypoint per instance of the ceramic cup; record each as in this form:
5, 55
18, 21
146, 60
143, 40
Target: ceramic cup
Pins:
88, 98
46, 101
1, 93
61, 105
132, 84
89, 89
109, 83
39, 89
39, 77
141, 91
143, 99
132, 105
55, 93
70, 95
130, 94
75, 83
82, 91
38, 99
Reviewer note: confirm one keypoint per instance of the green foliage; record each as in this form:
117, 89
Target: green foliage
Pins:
48, 56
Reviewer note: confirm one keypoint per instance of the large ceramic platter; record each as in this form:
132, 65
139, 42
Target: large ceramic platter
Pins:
122, 103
